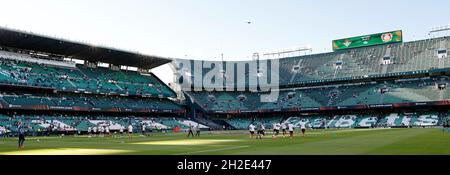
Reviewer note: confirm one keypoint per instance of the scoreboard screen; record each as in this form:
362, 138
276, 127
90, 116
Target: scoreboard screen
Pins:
368, 40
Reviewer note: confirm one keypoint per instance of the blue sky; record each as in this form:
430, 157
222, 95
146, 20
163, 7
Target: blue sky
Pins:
203, 29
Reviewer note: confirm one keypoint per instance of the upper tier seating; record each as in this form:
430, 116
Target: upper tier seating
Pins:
406, 58
80, 78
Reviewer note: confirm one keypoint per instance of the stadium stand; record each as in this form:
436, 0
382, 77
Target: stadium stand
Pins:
38, 124
239, 123
15, 71
370, 93
76, 101
431, 119
365, 121
346, 78
355, 79
406, 58
344, 121
42, 86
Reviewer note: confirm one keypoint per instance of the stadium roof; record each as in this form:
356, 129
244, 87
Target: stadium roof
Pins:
45, 44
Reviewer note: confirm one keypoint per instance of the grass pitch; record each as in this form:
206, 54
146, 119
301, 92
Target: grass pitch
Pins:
431, 141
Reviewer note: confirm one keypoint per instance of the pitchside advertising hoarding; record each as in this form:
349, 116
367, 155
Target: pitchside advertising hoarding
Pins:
368, 40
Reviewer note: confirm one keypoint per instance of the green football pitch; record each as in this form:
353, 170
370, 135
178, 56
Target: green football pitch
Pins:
431, 141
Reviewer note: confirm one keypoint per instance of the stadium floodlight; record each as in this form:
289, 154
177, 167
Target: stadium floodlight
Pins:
440, 29
255, 56
289, 51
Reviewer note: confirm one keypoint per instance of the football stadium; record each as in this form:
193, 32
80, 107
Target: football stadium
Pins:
381, 99
374, 94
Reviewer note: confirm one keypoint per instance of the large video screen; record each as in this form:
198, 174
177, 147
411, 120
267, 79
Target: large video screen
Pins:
368, 40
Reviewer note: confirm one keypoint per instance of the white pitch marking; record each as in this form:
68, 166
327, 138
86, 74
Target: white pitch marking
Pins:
212, 150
